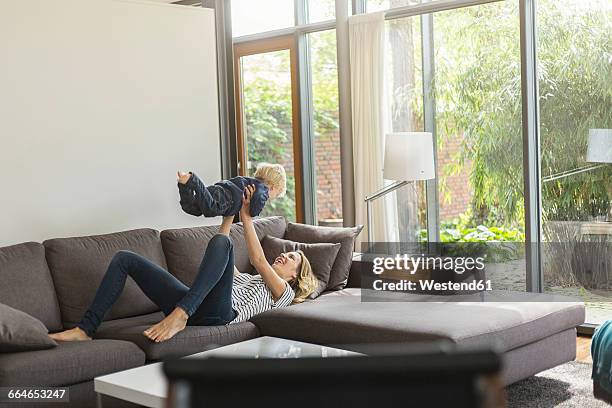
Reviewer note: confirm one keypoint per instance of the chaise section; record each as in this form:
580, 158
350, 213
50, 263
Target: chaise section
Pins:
192, 339
512, 327
336, 319
78, 265
68, 363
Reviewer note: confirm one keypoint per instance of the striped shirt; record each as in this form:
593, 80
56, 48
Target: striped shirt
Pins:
251, 296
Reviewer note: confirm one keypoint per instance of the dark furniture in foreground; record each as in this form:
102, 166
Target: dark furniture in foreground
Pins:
55, 281
422, 378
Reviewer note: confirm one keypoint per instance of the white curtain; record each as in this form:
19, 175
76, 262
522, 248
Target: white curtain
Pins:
367, 39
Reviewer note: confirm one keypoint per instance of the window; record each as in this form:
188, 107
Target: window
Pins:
405, 208
267, 126
321, 10
477, 103
379, 5
479, 130
250, 17
575, 77
324, 73
272, 120
478, 115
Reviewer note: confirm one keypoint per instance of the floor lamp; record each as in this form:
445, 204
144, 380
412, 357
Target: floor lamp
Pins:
409, 156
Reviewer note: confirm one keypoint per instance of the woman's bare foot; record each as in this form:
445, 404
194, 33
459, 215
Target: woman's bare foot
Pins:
167, 328
76, 334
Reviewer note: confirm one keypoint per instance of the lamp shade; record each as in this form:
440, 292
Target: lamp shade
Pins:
600, 146
409, 156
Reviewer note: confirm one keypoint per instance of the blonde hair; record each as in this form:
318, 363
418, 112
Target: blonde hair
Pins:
305, 282
273, 175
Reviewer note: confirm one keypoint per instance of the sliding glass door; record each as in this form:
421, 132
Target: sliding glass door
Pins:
477, 97
462, 68
469, 59
575, 84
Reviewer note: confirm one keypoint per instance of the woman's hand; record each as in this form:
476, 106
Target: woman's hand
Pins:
183, 178
245, 211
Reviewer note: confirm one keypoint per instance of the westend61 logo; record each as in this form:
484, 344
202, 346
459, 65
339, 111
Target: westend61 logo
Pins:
412, 264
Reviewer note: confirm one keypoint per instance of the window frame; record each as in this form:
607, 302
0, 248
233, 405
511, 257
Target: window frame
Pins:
299, 35
244, 49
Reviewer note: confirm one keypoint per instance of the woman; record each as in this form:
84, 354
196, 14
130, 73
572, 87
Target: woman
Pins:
219, 295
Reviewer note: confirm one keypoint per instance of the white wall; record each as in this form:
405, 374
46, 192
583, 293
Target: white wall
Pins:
101, 101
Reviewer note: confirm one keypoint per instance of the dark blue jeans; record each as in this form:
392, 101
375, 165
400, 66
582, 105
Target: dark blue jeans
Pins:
208, 302
198, 199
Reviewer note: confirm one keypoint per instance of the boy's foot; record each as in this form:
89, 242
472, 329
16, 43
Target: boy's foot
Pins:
76, 334
167, 328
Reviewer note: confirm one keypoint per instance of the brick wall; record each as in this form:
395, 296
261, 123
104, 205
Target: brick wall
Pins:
329, 187
457, 185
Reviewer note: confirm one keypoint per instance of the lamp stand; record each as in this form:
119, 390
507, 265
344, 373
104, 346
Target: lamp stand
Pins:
381, 193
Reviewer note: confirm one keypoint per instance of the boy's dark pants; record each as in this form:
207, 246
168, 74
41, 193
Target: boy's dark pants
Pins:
210, 201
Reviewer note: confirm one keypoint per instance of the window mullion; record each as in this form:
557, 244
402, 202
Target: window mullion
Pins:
300, 8
307, 127
429, 115
531, 146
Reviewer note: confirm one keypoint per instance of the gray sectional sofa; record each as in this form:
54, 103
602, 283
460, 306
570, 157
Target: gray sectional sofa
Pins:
55, 281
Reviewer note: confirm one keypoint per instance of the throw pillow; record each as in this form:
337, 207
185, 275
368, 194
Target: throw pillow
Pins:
320, 256
315, 234
21, 332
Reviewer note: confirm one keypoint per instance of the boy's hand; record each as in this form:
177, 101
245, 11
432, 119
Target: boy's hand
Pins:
183, 178
245, 211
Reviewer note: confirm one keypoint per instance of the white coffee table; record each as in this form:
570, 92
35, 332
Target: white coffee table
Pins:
147, 385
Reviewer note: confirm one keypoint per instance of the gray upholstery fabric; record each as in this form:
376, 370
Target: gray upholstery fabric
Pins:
189, 341
21, 332
341, 317
320, 256
110, 326
27, 284
184, 248
78, 265
345, 236
525, 361
68, 363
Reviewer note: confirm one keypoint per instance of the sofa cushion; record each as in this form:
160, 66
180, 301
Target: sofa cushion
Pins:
184, 247
21, 332
342, 318
320, 256
27, 284
68, 363
192, 339
78, 265
345, 236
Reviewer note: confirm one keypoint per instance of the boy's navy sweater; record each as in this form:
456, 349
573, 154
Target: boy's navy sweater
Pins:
236, 186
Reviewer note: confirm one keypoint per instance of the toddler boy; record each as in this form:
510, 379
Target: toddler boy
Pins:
225, 197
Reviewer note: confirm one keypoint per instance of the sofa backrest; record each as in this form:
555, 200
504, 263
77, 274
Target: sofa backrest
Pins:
78, 264
26, 283
184, 247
